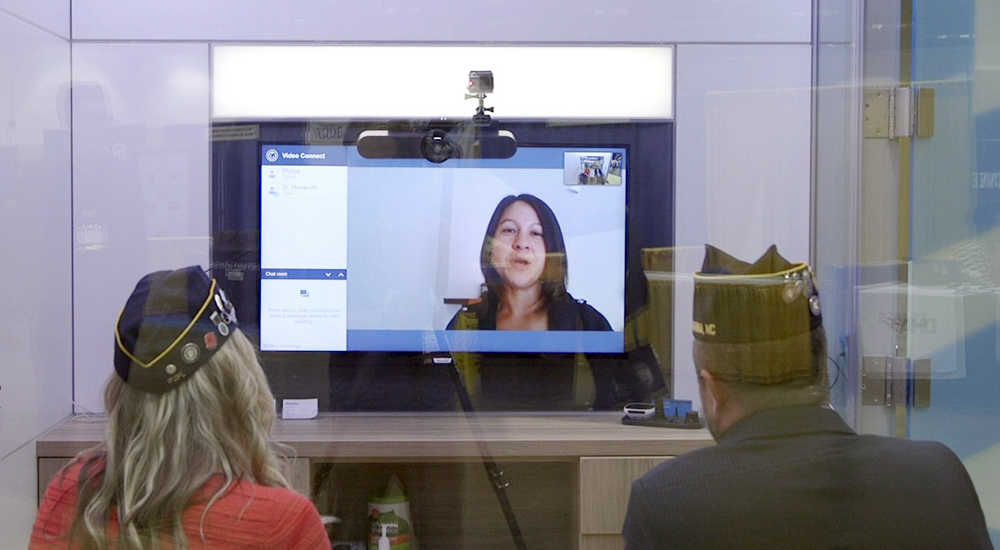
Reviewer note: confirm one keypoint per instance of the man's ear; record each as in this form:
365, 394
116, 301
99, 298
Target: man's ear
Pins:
718, 390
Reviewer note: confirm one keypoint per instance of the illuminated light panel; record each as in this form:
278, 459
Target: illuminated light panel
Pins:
551, 82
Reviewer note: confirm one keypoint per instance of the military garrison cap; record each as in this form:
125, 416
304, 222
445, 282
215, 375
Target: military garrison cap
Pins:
172, 323
767, 302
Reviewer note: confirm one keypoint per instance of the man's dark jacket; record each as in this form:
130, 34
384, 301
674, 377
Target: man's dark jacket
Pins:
799, 477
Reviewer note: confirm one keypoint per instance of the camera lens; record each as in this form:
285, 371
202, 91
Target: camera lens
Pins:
437, 147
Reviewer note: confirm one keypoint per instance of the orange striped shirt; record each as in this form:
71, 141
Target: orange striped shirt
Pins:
248, 516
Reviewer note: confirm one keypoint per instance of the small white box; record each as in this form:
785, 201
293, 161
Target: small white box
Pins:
299, 409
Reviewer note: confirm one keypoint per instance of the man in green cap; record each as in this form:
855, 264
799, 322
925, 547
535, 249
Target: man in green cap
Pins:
787, 471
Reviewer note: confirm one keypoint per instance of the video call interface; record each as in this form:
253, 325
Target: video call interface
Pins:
364, 254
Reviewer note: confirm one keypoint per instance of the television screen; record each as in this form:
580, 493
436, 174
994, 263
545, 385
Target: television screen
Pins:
365, 254
356, 270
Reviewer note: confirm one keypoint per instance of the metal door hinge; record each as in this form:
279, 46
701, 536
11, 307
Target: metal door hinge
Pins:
896, 381
892, 113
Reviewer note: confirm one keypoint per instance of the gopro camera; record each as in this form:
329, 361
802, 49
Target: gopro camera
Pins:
480, 82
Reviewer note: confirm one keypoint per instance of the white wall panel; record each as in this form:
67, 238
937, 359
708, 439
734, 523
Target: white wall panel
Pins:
35, 282
35, 285
141, 183
51, 15
588, 21
19, 505
837, 127
838, 112
836, 21
743, 128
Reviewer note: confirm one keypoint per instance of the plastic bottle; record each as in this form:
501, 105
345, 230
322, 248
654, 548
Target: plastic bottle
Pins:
383, 541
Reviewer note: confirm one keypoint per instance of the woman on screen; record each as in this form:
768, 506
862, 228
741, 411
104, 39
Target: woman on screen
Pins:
523, 260
187, 460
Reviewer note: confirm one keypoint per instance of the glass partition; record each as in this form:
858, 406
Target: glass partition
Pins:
166, 165
953, 285
145, 137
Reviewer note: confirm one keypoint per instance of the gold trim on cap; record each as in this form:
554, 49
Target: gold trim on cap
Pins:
118, 337
719, 276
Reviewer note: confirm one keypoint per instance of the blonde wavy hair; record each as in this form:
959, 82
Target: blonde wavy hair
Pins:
162, 449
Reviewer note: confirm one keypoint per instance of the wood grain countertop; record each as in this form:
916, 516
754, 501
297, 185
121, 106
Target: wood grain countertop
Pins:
437, 436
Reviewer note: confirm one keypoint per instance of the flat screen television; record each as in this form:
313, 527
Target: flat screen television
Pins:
379, 262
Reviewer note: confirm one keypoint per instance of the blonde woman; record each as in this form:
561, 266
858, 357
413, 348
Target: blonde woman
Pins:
188, 461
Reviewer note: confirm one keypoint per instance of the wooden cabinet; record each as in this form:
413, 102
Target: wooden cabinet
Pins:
605, 483
452, 503
569, 474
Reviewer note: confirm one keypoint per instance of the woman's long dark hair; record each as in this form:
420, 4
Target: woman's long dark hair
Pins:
554, 273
